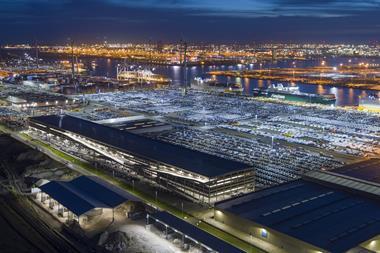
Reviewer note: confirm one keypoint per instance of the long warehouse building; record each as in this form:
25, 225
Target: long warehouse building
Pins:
324, 212
193, 174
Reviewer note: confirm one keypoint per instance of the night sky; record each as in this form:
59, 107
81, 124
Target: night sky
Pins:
240, 21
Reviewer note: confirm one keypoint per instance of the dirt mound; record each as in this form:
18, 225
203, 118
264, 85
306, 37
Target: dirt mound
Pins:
30, 155
135, 238
50, 173
117, 242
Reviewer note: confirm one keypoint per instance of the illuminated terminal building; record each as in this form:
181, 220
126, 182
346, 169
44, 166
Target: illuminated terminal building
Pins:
81, 199
26, 101
336, 211
198, 176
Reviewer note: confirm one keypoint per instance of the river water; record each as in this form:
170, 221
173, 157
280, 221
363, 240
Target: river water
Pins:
345, 96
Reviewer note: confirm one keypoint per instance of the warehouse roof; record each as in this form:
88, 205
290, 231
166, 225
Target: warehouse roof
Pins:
324, 217
195, 233
368, 170
133, 125
181, 157
86, 193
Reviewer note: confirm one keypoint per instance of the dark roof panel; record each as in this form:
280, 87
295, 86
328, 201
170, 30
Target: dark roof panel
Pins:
327, 218
61, 192
85, 193
181, 157
368, 170
195, 233
103, 191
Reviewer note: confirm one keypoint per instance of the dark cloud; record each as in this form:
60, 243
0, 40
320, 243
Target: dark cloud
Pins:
194, 20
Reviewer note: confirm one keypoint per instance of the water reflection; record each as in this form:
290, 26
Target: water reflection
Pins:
351, 95
321, 89
334, 90
344, 96
246, 85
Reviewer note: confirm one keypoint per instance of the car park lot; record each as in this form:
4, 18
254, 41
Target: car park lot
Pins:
282, 141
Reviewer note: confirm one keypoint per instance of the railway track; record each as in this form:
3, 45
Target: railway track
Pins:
54, 237
26, 213
32, 244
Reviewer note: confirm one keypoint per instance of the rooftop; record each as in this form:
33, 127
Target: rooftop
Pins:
23, 97
307, 210
175, 155
368, 170
136, 124
140, 126
84, 193
195, 233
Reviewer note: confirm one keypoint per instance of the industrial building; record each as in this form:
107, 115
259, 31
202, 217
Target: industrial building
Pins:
189, 234
80, 199
322, 212
137, 124
30, 100
198, 176
367, 170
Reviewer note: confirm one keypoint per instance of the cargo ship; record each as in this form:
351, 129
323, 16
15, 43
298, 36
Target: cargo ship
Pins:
214, 84
293, 94
140, 75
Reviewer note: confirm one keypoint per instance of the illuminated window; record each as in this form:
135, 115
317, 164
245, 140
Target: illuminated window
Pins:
264, 233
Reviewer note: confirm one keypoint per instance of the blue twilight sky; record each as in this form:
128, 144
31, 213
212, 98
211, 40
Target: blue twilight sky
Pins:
53, 21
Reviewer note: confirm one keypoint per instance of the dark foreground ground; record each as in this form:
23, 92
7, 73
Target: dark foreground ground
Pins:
25, 227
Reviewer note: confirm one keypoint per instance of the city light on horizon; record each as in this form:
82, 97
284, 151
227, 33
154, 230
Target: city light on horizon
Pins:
189, 126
